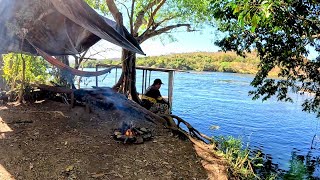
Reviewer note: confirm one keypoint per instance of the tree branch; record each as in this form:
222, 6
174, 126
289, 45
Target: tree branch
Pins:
81, 59
151, 19
126, 9
131, 15
115, 11
316, 36
156, 25
148, 34
140, 17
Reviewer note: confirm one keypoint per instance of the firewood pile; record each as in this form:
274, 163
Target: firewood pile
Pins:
128, 134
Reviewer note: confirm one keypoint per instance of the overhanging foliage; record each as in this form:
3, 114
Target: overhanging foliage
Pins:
282, 32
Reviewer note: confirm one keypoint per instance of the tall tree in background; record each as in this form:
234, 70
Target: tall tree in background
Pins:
2, 82
34, 70
148, 19
20, 28
282, 32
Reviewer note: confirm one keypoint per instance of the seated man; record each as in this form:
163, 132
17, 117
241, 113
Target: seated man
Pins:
153, 100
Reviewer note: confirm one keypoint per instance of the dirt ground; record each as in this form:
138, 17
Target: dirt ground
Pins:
48, 140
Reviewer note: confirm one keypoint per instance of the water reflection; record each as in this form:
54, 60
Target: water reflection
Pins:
300, 166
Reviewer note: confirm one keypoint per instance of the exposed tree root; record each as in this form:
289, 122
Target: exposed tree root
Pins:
192, 131
204, 146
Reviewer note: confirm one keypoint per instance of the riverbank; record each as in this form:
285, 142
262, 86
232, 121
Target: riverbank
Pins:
198, 61
48, 140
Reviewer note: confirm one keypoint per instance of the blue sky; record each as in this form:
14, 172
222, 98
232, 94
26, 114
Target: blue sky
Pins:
186, 42
313, 54
198, 41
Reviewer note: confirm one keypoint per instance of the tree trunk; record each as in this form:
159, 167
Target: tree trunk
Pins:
122, 84
21, 92
127, 81
2, 82
126, 71
133, 89
131, 59
66, 79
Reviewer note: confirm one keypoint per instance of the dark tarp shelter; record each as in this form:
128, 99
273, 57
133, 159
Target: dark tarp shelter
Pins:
57, 27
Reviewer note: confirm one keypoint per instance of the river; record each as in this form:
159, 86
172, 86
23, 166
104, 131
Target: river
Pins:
279, 129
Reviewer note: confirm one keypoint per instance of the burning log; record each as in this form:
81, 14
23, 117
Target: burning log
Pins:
130, 134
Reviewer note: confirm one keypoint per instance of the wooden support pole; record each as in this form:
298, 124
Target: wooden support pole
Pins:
72, 100
97, 76
142, 83
170, 89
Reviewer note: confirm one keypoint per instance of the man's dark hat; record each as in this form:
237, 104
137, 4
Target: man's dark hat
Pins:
157, 81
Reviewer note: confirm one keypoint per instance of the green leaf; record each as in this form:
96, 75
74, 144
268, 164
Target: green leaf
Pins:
253, 28
236, 10
264, 2
241, 19
267, 14
258, 165
255, 20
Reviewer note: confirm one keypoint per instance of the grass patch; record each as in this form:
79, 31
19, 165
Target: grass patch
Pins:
242, 163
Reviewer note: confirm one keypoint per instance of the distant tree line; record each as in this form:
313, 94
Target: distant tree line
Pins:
197, 61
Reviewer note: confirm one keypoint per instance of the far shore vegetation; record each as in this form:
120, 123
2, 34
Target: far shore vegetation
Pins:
197, 61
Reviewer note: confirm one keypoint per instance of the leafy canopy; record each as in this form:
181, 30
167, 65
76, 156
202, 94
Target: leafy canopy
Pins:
282, 32
99, 5
12, 69
149, 18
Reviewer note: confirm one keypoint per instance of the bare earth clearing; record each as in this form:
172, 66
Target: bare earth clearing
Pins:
50, 141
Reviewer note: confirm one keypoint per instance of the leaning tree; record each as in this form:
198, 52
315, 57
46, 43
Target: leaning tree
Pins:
148, 19
282, 32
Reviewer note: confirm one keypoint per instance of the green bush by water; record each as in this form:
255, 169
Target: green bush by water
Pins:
237, 157
246, 164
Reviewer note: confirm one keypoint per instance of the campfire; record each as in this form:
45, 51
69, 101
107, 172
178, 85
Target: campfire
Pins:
130, 134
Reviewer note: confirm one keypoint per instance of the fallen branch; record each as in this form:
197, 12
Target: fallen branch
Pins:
20, 122
49, 112
54, 88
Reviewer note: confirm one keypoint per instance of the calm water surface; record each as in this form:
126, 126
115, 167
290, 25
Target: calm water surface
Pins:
221, 99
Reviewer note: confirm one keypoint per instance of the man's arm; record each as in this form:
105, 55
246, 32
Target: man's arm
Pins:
162, 100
